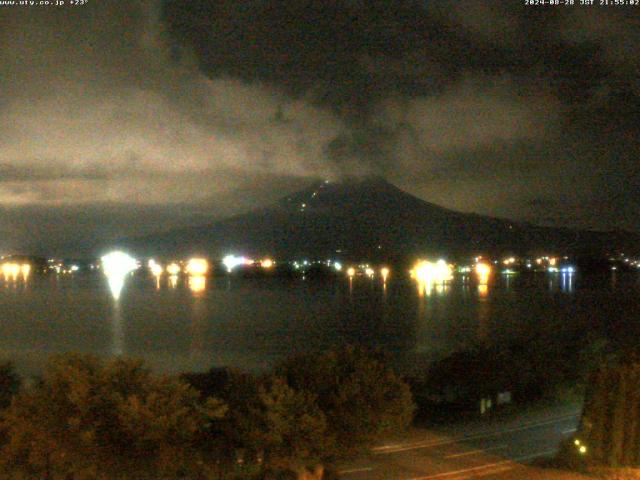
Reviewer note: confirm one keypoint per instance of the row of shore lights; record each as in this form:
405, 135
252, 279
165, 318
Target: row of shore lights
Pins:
440, 272
369, 272
13, 270
194, 267
118, 264
424, 271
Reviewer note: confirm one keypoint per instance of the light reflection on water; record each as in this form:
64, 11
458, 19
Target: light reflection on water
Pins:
178, 323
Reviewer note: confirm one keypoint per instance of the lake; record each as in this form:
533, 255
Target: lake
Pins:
179, 324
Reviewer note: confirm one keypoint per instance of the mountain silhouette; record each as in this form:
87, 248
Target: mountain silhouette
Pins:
369, 218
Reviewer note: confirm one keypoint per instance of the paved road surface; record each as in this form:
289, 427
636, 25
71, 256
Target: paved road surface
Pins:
493, 449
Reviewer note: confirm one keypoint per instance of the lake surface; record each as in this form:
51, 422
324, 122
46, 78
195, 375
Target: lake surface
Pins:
180, 325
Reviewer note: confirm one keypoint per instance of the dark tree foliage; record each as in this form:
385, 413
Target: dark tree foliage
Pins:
9, 384
610, 424
360, 396
292, 428
89, 419
268, 421
529, 367
241, 392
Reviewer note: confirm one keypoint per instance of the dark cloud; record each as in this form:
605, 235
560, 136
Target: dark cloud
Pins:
173, 106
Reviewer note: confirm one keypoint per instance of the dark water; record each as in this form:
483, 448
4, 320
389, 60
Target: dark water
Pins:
252, 323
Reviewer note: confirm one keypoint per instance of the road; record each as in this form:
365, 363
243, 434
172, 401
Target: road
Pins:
493, 449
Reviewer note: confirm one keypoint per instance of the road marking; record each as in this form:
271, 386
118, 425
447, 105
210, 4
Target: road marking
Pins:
525, 426
386, 449
474, 452
571, 430
503, 464
354, 470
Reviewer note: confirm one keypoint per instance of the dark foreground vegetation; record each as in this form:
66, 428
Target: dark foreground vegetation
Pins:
607, 442
525, 370
92, 419
87, 418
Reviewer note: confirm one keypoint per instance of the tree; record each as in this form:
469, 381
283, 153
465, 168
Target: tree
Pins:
240, 391
609, 432
9, 384
277, 428
292, 428
89, 419
360, 396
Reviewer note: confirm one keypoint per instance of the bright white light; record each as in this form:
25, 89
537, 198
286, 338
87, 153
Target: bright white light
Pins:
568, 270
231, 262
118, 263
337, 266
197, 266
116, 266
369, 272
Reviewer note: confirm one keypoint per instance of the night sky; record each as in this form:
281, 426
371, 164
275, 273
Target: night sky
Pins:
120, 118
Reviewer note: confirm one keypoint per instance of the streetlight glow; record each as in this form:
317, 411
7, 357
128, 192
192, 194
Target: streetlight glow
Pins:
173, 269
197, 267
384, 271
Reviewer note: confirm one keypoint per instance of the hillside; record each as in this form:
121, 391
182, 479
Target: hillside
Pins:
368, 218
